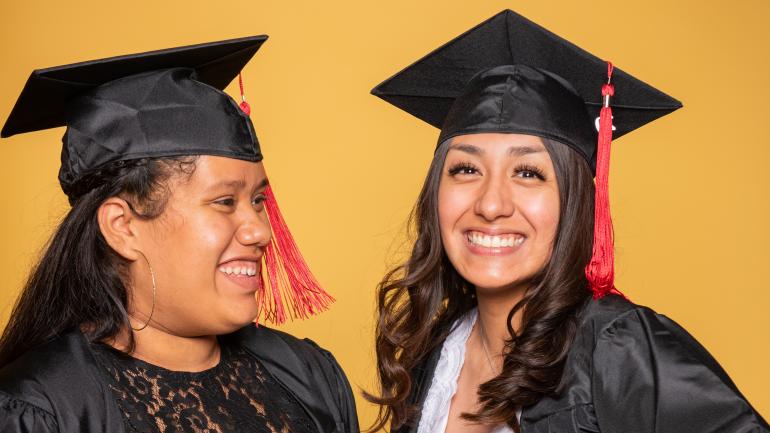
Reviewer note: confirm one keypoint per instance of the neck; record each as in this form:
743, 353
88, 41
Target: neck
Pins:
172, 352
493, 310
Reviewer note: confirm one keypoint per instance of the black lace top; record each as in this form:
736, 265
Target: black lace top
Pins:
237, 395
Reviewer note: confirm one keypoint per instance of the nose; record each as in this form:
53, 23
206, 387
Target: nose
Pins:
254, 229
495, 199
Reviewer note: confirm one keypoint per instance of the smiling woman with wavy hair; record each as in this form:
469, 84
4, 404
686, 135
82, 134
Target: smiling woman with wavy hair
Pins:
505, 316
420, 300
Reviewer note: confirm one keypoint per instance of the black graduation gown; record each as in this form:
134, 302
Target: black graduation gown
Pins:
59, 387
630, 370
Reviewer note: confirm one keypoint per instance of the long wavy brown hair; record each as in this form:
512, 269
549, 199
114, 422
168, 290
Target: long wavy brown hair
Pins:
420, 300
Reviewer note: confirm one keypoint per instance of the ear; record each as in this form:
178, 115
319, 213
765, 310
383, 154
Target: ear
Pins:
118, 226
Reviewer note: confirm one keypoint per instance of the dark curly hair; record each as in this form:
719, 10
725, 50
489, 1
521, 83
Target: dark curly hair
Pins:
421, 299
80, 282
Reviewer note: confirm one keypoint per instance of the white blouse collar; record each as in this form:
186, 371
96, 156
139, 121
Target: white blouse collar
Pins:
435, 409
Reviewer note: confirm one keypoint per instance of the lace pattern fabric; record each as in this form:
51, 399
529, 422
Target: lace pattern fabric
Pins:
443, 386
236, 395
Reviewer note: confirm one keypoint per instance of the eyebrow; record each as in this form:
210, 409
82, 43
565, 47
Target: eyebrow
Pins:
512, 151
467, 148
523, 150
237, 184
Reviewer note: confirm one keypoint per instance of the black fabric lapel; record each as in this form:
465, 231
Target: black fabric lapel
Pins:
422, 376
298, 369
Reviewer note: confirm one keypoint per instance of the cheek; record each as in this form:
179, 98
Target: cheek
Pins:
188, 276
209, 238
201, 236
541, 209
453, 202
191, 249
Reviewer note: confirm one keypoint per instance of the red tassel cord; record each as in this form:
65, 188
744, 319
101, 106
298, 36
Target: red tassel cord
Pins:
290, 280
600, 271
244, 105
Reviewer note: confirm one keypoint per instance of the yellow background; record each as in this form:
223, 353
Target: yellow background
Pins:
689, 192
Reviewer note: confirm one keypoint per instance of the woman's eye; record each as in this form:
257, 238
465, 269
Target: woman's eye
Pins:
258, 200
527, 172
462, 168
229, 202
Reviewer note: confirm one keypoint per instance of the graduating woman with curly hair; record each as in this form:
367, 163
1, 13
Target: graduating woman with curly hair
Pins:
505, 316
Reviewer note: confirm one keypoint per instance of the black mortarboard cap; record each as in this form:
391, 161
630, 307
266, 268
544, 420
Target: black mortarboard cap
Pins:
508, 74
154, 104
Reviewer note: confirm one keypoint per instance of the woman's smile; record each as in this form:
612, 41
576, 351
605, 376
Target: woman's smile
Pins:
242, 272
485, 243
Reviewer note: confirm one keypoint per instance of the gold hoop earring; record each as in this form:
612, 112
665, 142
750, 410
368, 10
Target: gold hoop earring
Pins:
152, 310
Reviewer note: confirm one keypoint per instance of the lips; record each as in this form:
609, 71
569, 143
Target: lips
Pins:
242, 272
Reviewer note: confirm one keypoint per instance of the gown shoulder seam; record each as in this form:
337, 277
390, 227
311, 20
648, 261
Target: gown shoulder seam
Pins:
10, 398
635, 312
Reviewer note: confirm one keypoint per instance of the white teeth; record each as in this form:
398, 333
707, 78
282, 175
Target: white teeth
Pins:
487, 241
246, 271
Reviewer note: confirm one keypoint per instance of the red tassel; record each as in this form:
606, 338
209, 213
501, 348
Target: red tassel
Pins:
600, 271
246, 108
289, 277
244, 105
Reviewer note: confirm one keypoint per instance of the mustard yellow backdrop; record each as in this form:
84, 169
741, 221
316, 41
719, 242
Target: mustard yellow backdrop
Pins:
690, 192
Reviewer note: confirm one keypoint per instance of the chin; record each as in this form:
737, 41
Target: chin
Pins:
495, 283
497, 275
236, 317
244, 319
498, 287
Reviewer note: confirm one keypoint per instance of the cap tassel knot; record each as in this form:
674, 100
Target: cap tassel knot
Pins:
245, 107
600, 271
289, 277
